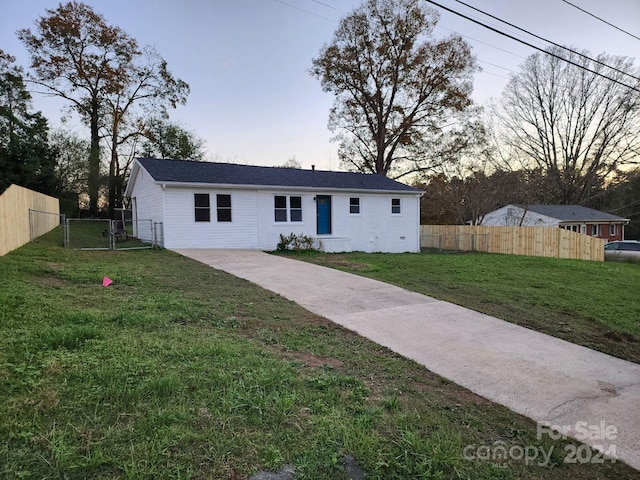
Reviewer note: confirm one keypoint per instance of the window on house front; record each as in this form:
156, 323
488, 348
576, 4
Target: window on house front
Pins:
223, 203
295, 213
202, 207
281, 208
354, 205
395, 206
288, 208
595, 230
613, 229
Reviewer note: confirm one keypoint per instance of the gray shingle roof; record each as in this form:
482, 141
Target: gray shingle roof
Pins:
573, 213
185, 171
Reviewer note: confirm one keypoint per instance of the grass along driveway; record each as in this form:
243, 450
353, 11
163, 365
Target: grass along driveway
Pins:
595, 304
180, 371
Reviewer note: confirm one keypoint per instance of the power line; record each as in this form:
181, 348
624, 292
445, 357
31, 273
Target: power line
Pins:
602, 20
493, 74
480, 41
489, 45
533, 46
545, 40
305, 11
497, 66
328, 6
437, 26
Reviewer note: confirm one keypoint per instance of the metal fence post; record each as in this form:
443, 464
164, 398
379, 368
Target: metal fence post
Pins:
156, 235
31, 227
63, 225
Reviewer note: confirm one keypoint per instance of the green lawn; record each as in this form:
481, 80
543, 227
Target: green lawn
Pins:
596, 304
180, 371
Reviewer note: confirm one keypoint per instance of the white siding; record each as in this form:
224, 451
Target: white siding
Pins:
511, 215
269, 230
253, 224
375, 229
148, 203
182, 231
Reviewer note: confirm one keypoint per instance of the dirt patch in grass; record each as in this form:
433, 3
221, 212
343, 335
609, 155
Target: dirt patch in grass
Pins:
350, 265
54, 265
312, 360
50, 281
467, 396
621, 337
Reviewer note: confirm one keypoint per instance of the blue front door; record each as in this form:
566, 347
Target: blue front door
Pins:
323, 214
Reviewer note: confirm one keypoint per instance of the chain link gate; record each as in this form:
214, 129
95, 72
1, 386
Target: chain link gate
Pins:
105, 234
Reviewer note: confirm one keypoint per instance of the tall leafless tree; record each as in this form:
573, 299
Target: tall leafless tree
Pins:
572, 125
147, 88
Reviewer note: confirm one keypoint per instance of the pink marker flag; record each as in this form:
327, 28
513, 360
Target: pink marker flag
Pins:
106, 281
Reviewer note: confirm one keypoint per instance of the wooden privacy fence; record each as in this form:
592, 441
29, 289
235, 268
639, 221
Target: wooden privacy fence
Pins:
533, 241
16, 225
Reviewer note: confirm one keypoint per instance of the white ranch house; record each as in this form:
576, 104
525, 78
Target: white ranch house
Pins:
221, 205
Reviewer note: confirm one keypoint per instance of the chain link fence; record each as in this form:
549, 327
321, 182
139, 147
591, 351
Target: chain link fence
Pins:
88, 234
41, 222
138, 234
478, 242
105, 234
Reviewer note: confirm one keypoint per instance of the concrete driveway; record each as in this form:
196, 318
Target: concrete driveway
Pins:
594, 397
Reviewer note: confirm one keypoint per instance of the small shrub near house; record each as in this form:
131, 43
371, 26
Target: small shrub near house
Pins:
298, 243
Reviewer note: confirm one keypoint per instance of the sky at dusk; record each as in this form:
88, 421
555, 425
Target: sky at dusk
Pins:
247, 61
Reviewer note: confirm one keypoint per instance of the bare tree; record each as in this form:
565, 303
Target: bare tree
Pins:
570, 124
77, 56
402, 98
103, 73
147, 86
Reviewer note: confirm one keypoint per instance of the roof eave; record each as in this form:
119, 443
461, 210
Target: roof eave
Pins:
227, 186
132, 178
597, 220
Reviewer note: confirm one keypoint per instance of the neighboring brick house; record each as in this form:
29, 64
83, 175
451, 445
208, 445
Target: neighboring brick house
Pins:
570, 217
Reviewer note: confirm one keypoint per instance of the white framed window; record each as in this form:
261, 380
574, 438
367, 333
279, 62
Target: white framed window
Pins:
295, 209
280, 204
396, 208
595, 230
202, 207
354, 205
287, 208
613, 229
223, 205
